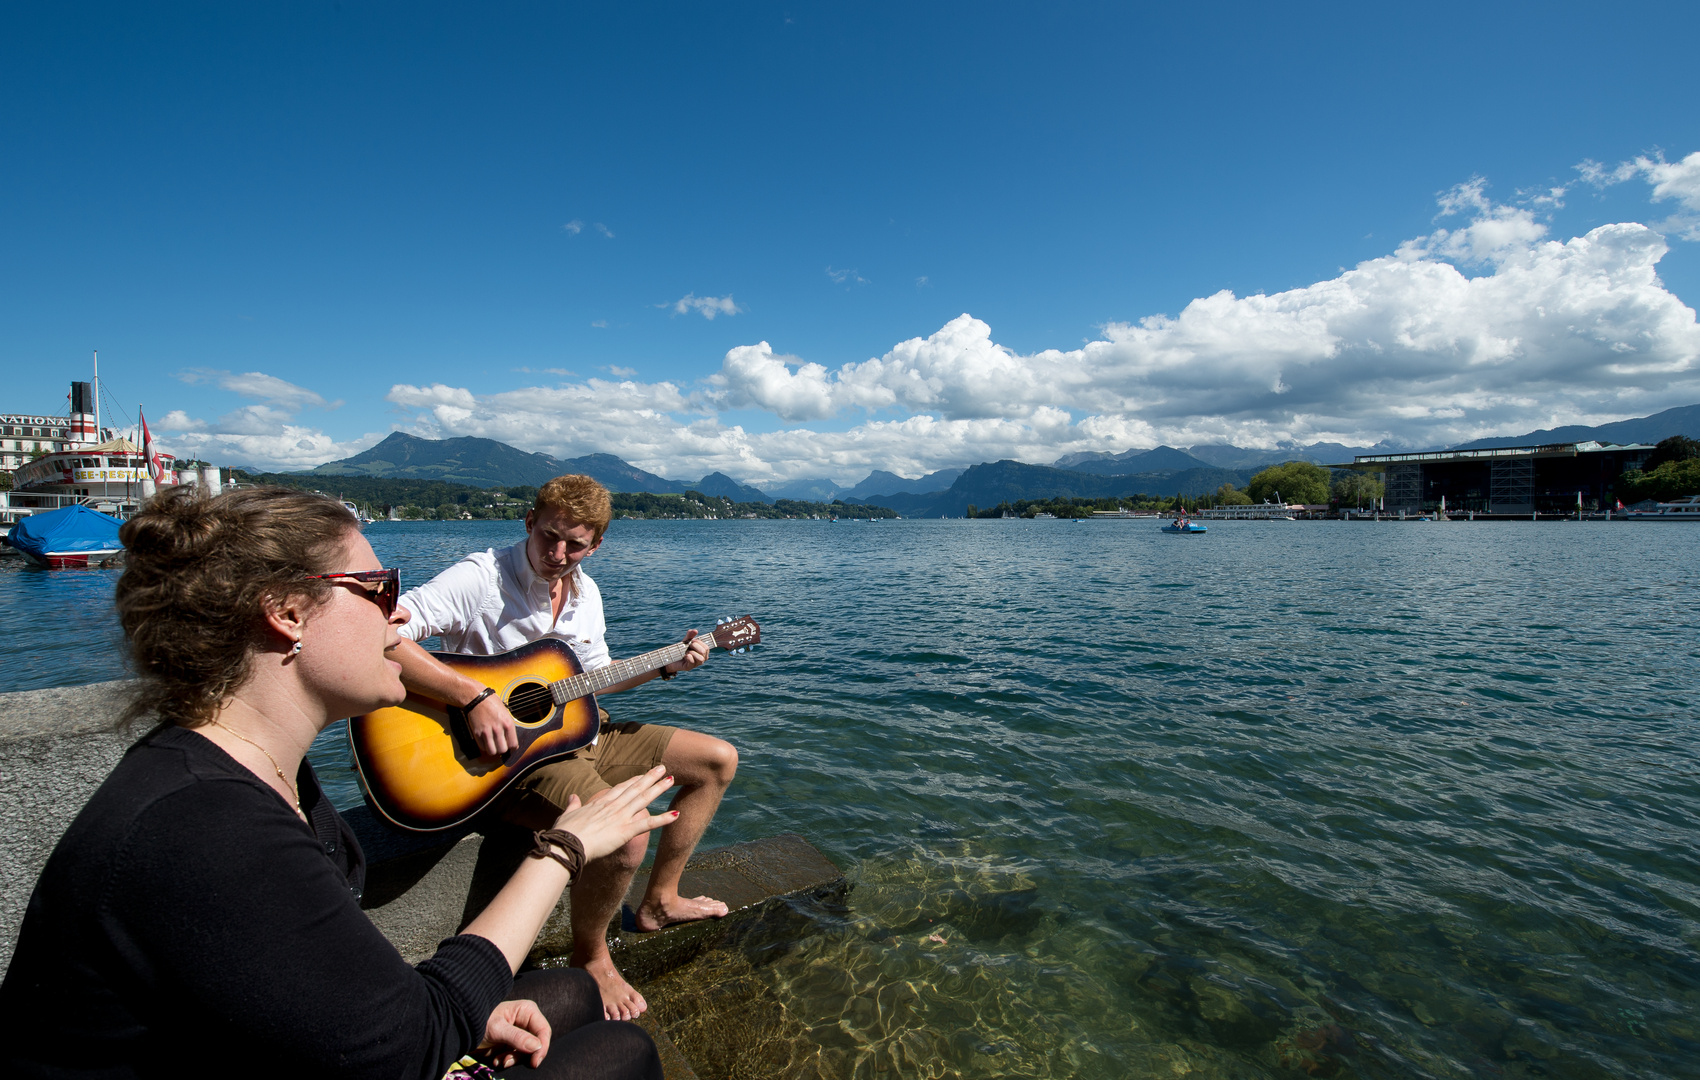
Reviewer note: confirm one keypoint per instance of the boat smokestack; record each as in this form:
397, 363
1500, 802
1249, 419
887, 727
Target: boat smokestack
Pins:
209, 480
84, 427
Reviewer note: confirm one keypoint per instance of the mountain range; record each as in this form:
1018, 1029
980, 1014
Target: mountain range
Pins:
991, 483
1213, 456
1163, 470
1683, 420
488, 463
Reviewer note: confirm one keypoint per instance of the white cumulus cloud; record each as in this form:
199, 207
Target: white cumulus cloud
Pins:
1671, 180
178, 420
286, 447
265, 434
707, 306
1406, 347
261, 387
1674, 180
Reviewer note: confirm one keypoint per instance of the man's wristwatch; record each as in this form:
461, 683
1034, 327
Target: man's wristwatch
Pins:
665, 674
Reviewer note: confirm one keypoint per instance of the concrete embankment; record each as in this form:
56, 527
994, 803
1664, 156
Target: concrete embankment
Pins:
57, 745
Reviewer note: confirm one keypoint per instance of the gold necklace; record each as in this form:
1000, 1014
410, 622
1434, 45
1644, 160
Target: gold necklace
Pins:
293, 790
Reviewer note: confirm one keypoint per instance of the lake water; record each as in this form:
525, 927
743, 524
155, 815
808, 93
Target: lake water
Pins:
1282, 799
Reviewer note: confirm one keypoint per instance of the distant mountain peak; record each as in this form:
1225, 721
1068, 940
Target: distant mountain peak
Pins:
468, 459
879, 483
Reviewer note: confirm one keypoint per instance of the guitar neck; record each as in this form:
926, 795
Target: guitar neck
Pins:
592, 682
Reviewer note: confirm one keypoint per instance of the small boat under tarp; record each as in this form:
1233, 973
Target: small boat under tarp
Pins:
72, 537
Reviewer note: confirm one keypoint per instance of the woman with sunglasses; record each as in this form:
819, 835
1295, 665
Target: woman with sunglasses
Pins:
201, 914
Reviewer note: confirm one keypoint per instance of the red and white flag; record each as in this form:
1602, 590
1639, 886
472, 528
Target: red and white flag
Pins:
156, 468
1620, 504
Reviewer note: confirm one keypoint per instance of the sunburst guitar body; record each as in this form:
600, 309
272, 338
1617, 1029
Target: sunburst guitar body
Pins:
419, 766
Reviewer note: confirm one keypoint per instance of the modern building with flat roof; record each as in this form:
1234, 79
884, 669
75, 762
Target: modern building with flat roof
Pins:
1548, 479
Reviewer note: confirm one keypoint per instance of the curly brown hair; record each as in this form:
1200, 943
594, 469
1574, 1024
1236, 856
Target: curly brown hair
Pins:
198, 573
579, 497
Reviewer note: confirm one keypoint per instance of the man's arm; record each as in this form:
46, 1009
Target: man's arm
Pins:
491, 724
693, 658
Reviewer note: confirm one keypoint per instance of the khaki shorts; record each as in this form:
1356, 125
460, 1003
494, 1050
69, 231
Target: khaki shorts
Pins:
621, 752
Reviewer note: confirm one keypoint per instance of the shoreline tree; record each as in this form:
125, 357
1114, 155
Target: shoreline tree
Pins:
1296, 481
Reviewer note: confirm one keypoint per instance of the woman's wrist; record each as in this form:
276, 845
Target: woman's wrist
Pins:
560, 845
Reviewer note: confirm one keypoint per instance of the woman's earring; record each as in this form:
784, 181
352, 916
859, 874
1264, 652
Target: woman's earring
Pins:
297, 650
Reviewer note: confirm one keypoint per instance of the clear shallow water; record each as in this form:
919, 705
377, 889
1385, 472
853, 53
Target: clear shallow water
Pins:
1283, 799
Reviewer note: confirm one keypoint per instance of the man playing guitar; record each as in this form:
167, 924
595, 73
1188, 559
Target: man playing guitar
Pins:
493, 601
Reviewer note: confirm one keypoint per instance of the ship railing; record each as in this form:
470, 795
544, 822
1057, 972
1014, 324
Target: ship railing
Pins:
17, 505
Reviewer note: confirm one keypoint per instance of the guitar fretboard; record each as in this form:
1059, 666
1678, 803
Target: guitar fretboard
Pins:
591, 682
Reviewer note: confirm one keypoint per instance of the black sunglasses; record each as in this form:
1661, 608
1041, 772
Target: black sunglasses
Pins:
382, 587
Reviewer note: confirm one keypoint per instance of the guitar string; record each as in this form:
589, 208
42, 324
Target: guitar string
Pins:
532, 697
527, 700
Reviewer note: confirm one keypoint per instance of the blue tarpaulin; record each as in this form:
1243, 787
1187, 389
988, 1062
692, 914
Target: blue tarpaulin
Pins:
72, 529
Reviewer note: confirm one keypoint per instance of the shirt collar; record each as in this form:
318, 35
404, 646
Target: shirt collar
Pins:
519, 564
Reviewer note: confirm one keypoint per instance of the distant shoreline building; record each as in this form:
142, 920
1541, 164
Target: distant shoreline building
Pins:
1515, 480
24, 436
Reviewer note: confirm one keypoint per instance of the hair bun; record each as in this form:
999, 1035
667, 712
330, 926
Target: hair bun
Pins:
178, 523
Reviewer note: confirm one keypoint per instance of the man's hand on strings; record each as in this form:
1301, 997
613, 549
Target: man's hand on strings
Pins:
492, 727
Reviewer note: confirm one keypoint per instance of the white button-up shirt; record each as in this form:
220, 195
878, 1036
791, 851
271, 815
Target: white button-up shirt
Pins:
492, 601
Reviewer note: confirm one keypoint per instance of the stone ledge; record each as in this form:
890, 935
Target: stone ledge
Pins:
65, 710
419, 897
57, 745
754, 879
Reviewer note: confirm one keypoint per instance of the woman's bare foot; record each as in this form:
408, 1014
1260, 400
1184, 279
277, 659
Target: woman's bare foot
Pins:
620, 1000
654, 914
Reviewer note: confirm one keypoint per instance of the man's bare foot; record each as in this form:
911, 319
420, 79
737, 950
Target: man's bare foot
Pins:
620, 1000
654, 914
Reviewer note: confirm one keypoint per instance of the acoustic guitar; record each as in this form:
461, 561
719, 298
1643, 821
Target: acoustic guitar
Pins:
421, 769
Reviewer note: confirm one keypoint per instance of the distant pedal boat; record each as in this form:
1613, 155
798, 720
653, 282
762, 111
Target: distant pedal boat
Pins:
1179, 526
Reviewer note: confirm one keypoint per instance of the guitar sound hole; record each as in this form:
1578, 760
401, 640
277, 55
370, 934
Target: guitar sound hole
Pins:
530, 703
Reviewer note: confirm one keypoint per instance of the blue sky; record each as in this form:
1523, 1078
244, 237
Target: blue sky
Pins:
292, 229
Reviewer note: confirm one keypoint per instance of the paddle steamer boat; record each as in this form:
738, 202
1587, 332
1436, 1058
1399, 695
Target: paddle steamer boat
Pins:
1264, 511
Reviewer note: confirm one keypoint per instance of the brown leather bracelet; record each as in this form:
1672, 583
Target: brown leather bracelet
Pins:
571, 856
473, 704
665, 674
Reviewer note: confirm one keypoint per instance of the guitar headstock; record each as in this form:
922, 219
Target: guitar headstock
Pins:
737, 635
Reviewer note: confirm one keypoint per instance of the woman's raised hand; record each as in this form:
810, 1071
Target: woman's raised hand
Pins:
613, 817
